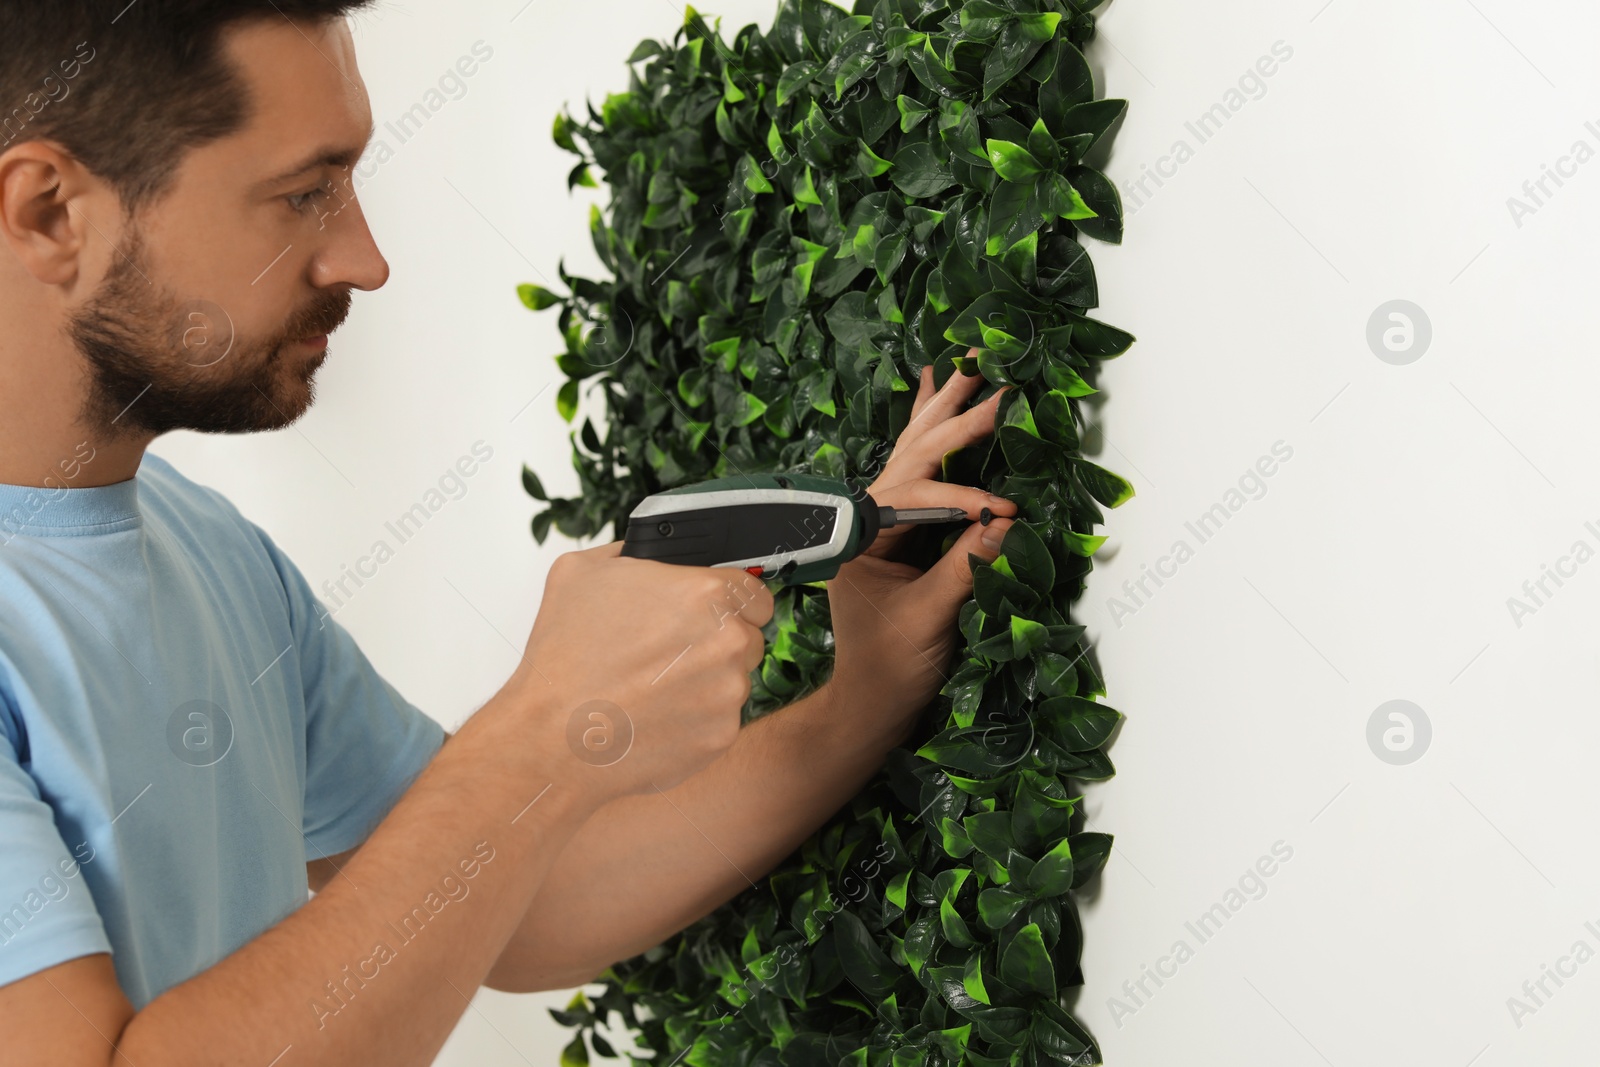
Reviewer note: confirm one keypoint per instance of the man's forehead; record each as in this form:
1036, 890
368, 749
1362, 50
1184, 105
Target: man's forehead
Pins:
306, 94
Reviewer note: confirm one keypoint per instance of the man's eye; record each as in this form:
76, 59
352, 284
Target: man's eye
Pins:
303, 202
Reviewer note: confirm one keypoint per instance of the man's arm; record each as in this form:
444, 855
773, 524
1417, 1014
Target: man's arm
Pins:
316, 983
644, 867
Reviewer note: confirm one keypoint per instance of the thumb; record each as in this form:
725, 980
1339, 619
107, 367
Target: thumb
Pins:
949, 581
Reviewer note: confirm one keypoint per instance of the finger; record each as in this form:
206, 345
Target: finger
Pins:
924, 455
755, 601
951, 398
759, 611
965, 429
948, 583
757, 651
925, 391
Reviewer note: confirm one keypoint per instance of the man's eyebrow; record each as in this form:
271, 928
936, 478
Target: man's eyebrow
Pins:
324, 157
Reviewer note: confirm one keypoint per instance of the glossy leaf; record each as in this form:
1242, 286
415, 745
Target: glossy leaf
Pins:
1052, 874
1026, 965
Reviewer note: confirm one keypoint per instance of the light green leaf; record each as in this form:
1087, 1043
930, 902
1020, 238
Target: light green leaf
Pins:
536, 297
1013, 162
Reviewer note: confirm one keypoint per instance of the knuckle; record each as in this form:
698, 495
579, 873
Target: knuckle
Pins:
712, 582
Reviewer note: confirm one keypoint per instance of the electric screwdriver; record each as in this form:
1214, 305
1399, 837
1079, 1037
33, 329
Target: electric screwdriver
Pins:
793, 528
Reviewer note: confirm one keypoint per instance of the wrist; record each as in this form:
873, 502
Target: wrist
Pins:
525, 729
858, 716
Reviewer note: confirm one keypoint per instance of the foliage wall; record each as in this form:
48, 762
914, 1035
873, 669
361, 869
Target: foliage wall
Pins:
799, 220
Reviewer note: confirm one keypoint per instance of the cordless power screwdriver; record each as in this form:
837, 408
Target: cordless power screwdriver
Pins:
793, 528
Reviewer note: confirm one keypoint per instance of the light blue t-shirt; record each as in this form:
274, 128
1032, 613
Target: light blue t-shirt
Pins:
181, 727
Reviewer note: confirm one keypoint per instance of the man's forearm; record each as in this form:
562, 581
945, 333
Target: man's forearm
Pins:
381, 964
644, 867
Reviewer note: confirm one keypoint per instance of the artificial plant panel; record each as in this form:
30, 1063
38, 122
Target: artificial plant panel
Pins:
799, 221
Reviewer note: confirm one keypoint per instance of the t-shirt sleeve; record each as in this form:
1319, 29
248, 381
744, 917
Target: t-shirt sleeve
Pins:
365, 743
46, 913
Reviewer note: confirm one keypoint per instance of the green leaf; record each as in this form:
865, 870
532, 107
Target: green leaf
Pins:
998, 905
531, 484
1063, 201
1112, 490
1041, 26
1099, 194
1025, 964
1025, 453
1093, 117
1015, 211
869, 163
1053, 414
1079, 724
1089, 854
895, 892
644, 50
954, 926
921, 938
1082, 544
749, 410
579, 175
1013, 162
749, 175
851, 71
920, 172
1019, 41
541, 524
1027, 636
1056, 676
794, 78
972, 979
1064, 379
561, 132
575, 1054
567, 400
952, 838
1059, 1044
1070, 82
1052, 875
536, 297
1099, 340
1030, 560
864, 963
911, 113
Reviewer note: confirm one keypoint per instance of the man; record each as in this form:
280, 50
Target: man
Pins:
187, 744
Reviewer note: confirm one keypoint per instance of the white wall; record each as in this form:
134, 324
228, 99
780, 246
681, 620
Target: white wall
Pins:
1373, 165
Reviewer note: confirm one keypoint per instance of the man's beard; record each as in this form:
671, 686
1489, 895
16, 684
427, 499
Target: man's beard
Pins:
158, 363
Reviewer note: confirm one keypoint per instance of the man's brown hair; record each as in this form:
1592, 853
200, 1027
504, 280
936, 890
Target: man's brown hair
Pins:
128, 87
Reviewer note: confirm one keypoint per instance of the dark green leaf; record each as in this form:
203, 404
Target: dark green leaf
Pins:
1052, 874
1112, 490
864, 962
1026, 965
920, 172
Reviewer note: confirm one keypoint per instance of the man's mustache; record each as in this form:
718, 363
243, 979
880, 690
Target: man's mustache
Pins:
324, 316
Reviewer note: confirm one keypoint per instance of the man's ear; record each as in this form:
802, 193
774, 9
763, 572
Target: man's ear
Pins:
42, 188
